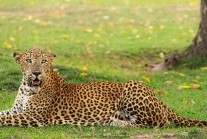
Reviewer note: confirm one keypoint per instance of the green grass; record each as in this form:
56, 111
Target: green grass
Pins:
108, 41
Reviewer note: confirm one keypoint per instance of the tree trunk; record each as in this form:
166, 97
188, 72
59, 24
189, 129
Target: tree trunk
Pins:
198, 47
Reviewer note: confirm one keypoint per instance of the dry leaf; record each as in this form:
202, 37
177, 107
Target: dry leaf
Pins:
195, 86
181, 74
147, 79
84, 68
97, 35
150, 27
190, 102
7, 45
162, 26
137, 36
162, 55
84, 74
161, 92
65, 36
11, 38
192, 86
193, 4
185, 87
89, 30
169, 82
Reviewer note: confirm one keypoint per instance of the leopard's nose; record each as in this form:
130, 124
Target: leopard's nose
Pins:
36, 73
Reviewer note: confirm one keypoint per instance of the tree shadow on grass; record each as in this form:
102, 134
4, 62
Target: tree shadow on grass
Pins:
72, 75
11, 78
147, 58
194, 63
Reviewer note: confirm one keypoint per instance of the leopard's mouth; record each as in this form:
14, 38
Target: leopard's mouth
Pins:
36, 82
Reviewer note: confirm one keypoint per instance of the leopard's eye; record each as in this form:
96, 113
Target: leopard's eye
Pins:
44, 61
29, 60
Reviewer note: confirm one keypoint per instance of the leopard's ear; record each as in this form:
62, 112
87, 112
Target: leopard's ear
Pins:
17, 56
52, 56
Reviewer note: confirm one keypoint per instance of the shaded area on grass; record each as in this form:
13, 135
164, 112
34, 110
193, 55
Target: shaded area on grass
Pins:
11, 79
72, 75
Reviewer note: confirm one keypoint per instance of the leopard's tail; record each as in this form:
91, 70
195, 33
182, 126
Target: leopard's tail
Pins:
181, 121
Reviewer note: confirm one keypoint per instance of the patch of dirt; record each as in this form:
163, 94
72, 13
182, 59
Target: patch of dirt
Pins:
155, 135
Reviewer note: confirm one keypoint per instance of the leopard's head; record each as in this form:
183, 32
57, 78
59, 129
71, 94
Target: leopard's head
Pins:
35, 66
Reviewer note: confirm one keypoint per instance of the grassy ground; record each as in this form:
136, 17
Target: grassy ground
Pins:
106, 41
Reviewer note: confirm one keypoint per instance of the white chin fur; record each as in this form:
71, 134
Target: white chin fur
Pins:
33, 89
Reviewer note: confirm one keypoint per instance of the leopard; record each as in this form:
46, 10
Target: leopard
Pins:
44, 98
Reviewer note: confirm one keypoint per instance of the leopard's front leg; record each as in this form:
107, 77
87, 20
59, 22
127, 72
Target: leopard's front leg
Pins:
18, 103
22, 120
9, 111
17, 108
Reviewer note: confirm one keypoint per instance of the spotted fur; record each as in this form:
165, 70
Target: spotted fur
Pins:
44, 98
